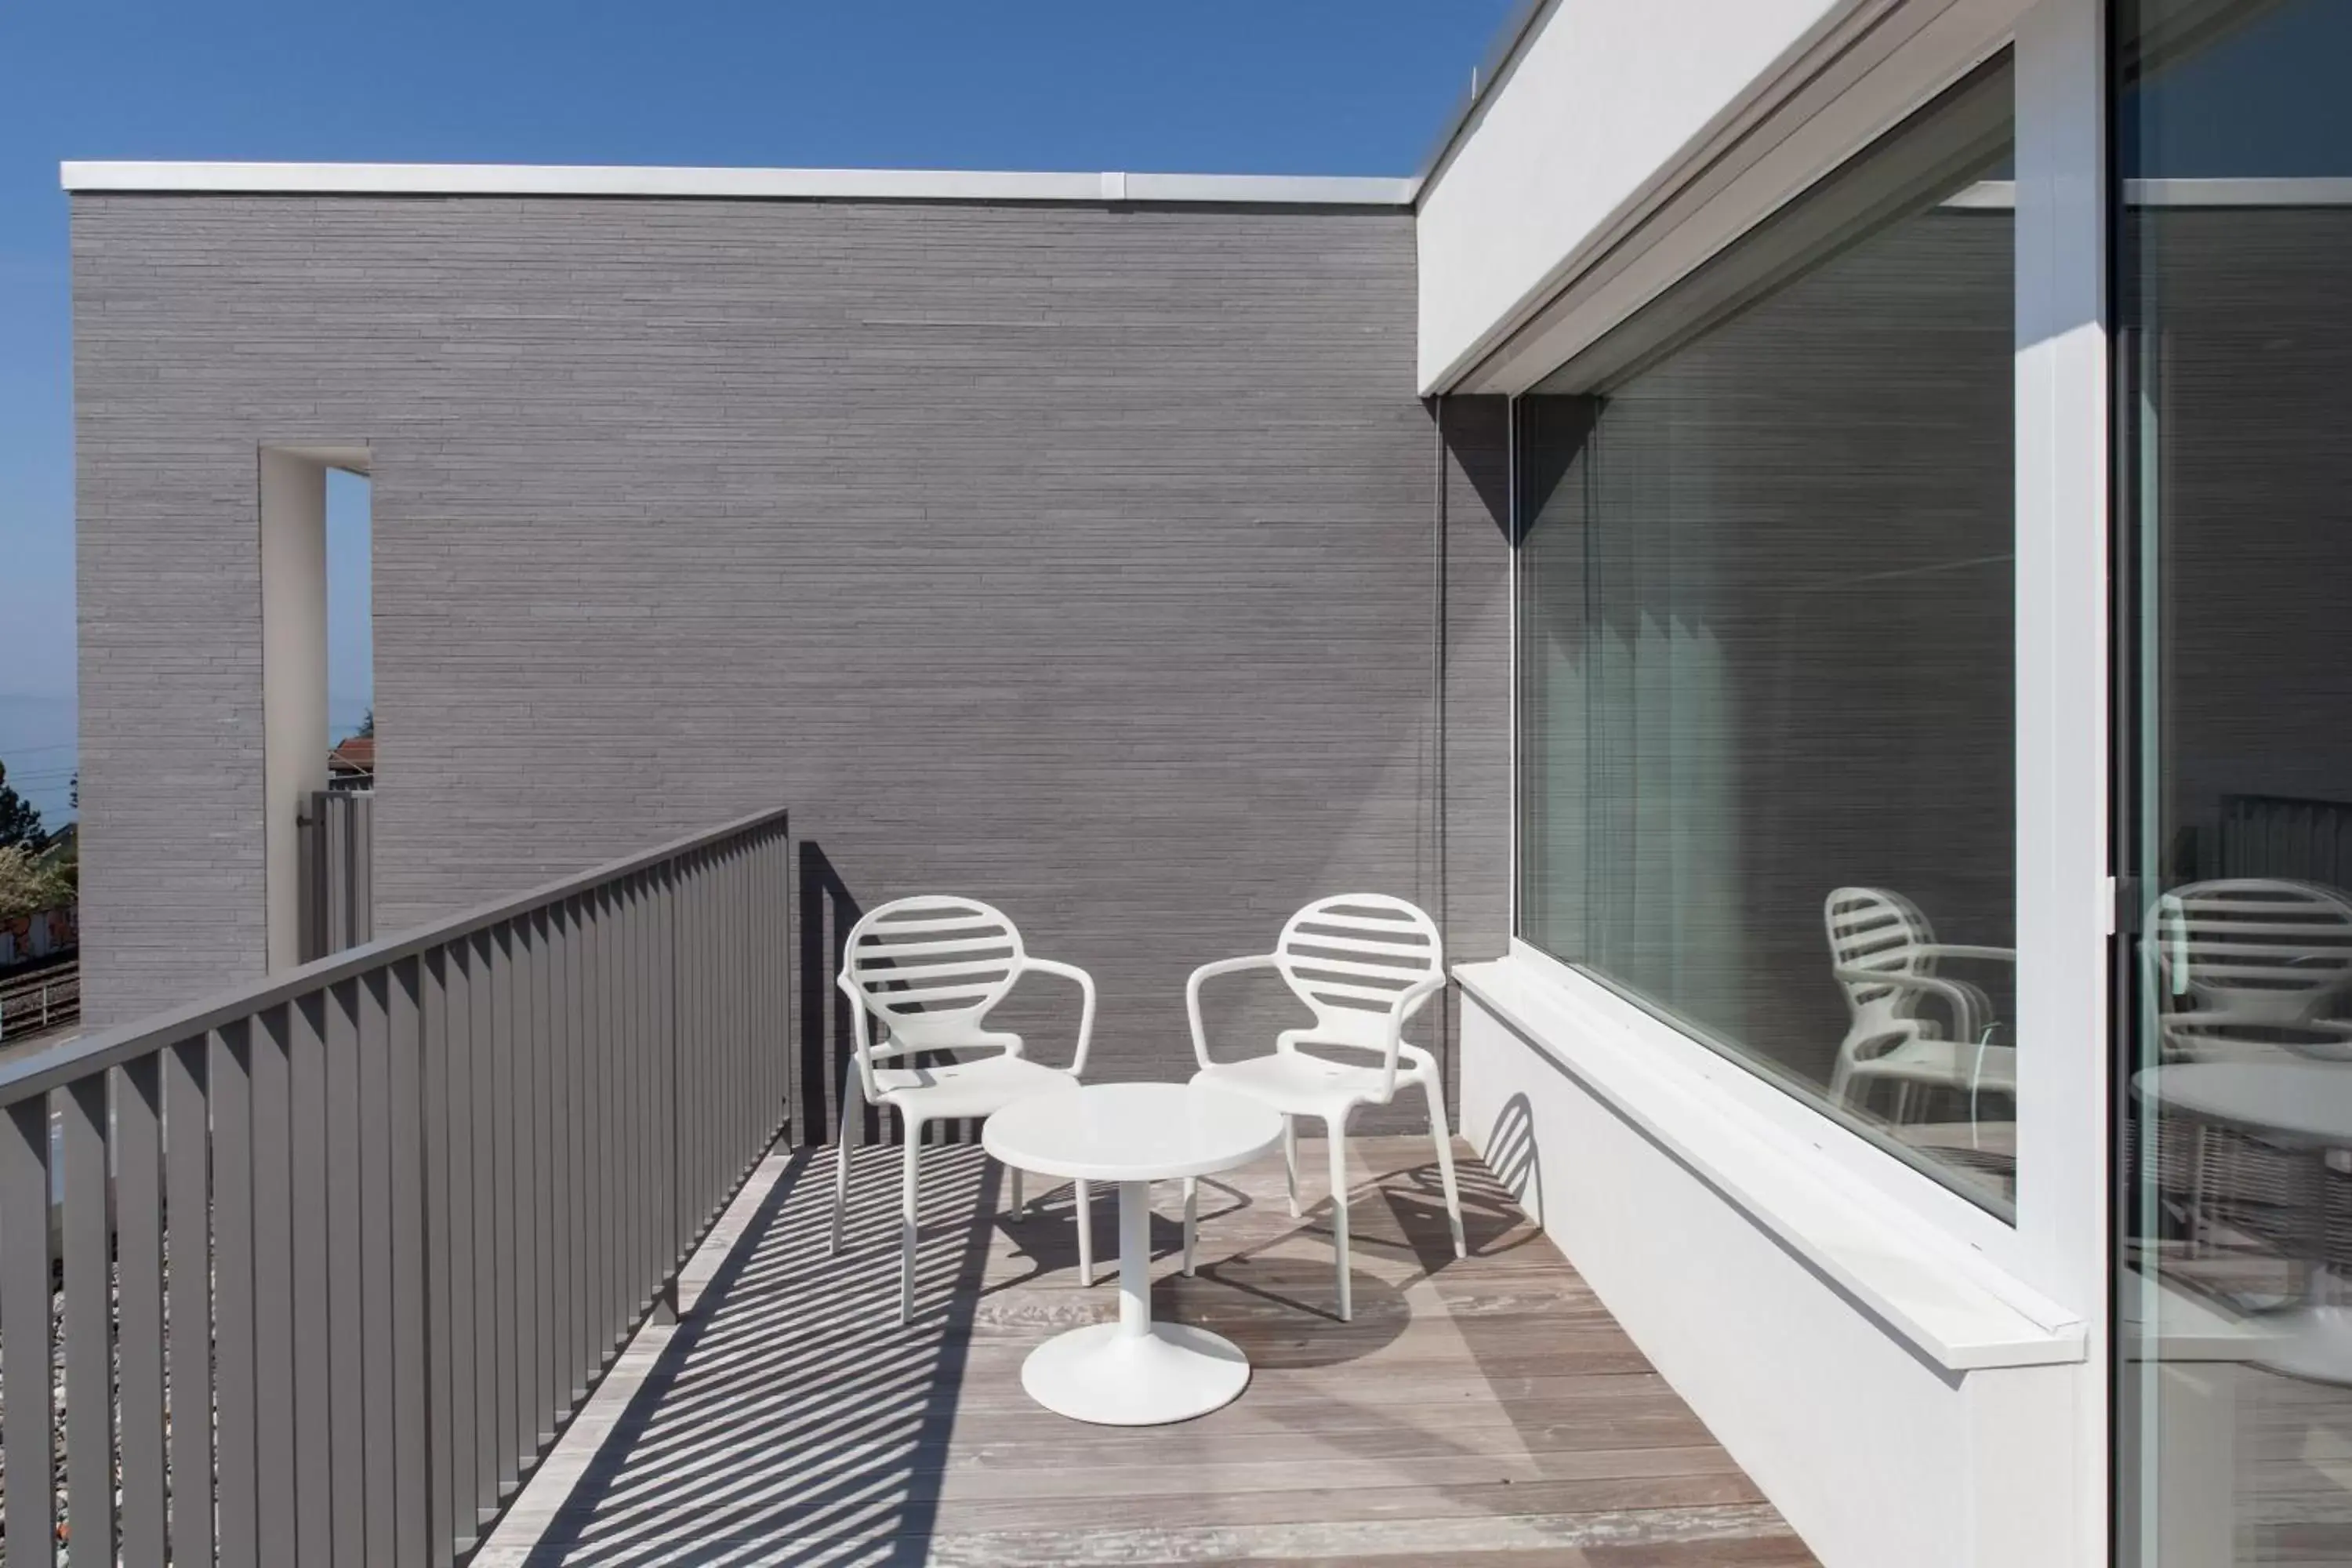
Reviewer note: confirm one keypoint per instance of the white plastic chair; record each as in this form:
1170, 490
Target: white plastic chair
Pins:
929, 969
1362, 963
2247, 969
2250, 967
1885, 955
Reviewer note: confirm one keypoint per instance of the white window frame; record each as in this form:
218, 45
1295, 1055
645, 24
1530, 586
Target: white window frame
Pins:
2066, 885
2058, 1244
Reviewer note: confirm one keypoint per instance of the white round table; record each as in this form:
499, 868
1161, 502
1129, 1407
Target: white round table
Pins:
1133, 1373
2305, 1104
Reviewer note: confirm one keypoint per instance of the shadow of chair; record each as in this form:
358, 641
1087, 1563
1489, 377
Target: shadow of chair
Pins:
1513, 1157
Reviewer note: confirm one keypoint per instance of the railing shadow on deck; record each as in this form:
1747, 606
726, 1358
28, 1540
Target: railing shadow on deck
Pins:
793, 1420
792, 1417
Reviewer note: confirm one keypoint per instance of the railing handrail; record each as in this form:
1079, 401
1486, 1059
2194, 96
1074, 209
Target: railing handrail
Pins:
63, 1063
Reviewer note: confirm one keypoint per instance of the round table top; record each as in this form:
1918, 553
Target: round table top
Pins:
1131, 1132
2305, 1100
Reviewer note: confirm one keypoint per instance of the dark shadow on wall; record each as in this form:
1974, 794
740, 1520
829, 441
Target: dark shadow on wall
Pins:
1475, 431
1471, 786
1555, 429
827, 911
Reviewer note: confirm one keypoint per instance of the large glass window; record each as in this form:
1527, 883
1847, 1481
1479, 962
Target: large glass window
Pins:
1766, 611
2234, 313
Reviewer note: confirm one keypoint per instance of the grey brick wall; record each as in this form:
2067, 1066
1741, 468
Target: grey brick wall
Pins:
1079, 558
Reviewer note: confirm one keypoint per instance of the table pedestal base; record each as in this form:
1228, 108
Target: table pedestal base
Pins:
1134, 1372
2311, 1341
1113, 1376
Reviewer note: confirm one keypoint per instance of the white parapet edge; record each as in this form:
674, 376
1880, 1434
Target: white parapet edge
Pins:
746, 185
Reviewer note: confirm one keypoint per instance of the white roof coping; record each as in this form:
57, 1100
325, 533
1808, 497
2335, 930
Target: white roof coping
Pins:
753, 185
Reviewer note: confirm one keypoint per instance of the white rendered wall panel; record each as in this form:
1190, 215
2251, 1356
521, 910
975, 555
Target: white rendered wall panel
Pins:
1873, 1453
1598, 101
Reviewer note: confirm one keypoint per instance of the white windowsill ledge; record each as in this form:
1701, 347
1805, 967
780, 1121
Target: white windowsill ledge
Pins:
1952, 1305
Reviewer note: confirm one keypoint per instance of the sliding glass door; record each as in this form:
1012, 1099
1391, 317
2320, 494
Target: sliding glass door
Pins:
2232, 142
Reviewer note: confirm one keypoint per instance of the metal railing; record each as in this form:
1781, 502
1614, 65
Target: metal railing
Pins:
337, 871
380, 1222
2285, 836
48, 1000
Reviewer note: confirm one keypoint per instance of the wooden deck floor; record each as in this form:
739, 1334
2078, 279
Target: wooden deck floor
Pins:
1482, 1409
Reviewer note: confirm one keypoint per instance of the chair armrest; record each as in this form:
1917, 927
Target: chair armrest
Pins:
1192, 996
861, 1037
1410, 999
1953, 950
1086, 1004
1971, 1008
1407, 1003
1414, 994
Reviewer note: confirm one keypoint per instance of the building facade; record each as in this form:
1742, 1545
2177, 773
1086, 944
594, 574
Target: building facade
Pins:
1079, 550
1807, 536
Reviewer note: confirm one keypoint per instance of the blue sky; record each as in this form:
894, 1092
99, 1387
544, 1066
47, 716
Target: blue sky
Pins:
1336, 87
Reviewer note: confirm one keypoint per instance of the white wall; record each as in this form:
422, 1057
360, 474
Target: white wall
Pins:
1876, 1451
1628, 143
1603, 97
293, 677
1908, 1385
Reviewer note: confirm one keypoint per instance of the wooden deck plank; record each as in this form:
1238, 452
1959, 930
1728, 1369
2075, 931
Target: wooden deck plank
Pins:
756, 1509
1484, 1407
1686, 1538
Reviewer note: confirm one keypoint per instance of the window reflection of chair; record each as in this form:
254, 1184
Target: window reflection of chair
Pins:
1912, 1026
2251, 968
2248, 970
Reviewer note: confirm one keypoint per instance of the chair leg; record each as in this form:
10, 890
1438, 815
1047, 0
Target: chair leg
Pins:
1290, 1160
840, 1189
1336, 1135
1437, 1131
1014, 1172
853, 1124
912, 1131
1191, 1219
1085, 1235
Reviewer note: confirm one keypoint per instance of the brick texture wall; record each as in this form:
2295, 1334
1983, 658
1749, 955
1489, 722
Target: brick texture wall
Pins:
1078, 558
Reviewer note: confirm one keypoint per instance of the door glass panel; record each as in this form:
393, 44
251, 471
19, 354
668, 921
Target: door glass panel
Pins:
2233, 310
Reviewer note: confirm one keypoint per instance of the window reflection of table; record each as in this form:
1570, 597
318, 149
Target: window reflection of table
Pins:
2300, 1104
1992, 1141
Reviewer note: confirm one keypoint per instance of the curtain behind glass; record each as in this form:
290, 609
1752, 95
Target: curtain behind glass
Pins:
1767, 619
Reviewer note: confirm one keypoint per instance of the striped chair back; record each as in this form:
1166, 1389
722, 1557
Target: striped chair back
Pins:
1349, 958
931, 967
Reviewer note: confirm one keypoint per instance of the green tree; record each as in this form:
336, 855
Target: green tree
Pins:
62, 860
29, 883
20, 823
